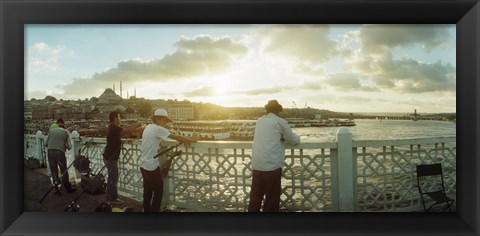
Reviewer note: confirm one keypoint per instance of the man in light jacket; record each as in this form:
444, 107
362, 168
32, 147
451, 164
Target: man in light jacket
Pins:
268, 155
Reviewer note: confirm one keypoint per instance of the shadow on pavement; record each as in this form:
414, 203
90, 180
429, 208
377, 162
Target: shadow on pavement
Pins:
37, 183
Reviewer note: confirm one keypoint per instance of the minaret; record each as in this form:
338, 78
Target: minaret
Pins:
121, 89
135, 92
113, 87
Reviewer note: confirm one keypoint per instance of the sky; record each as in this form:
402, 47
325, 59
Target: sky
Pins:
344, 68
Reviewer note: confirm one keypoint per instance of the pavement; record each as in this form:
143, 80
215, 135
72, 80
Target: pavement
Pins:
37, 184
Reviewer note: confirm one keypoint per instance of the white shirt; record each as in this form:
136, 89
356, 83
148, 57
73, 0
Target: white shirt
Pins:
151, 137
268, 151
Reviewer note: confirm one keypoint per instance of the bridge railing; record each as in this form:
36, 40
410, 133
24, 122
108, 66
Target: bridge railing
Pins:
346, 175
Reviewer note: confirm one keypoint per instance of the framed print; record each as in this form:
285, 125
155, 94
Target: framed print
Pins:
433, 69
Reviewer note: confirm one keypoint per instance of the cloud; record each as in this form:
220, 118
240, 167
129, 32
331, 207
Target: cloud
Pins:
201, 92
321, 98
411, 76
42, 56
310, 70
354, 99
198, 56
210, 91
311, 85
347, 82
263, 91
204, 43
374, 58
40, 94
84, 87
307, 43
378, 40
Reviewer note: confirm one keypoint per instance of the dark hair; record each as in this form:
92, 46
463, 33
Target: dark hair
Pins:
60, 121
113, 115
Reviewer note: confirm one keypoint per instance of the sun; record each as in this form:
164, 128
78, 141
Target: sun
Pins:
220, 92
220, 89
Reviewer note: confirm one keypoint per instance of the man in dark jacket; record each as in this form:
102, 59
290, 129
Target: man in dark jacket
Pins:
112, 154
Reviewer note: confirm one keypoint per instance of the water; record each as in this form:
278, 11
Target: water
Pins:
382, 130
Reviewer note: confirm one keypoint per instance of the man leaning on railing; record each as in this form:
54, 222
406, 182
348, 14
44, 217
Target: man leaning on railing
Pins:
152, 135
268, 156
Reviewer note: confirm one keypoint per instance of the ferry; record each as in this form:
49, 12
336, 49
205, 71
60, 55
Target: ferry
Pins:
300, 122
241, 129
345, 122
205, 130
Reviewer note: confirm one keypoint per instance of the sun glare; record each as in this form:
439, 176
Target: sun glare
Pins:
219, 90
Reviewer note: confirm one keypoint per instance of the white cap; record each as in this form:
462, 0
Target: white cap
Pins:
161, 112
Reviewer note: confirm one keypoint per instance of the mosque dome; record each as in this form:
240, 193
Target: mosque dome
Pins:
109, 96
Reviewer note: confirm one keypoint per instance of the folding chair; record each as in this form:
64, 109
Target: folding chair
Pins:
430, 183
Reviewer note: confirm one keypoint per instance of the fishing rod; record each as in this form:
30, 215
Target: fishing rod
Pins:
168, 149
56, 185
76, 208
168, 163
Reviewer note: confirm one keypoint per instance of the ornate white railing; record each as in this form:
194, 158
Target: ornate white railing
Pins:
346, 175
386, 173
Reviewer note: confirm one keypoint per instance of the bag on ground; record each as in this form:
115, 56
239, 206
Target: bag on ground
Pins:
104, 207
82, 164
93, 184
32, 163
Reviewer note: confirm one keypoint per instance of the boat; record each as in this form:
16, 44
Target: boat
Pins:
345, 122
241, 129
204, 130
298, 122
301, 122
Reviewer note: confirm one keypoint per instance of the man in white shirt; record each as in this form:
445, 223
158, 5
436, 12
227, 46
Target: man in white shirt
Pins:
152, 135
268, 155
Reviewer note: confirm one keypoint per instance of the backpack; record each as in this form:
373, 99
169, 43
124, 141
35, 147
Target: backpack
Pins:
32, 163
104, 207
82, 164
93, 184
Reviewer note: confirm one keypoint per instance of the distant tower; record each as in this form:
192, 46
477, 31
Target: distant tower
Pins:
121, 89
127, 93
113, 87
135, 92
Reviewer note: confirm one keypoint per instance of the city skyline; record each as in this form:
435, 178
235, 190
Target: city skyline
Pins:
344, 68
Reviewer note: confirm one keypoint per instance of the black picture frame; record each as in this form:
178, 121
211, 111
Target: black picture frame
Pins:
14, 14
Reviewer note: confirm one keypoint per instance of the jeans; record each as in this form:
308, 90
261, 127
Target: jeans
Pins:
112, 180
57, 159
152, 187
268, 184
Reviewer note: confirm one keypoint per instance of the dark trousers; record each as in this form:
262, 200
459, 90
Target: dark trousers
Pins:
268, 184
112, 167
56, 160
152, 190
